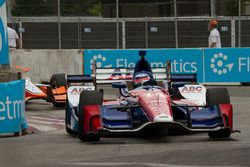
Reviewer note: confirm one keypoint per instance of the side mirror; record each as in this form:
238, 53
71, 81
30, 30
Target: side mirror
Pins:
119, 85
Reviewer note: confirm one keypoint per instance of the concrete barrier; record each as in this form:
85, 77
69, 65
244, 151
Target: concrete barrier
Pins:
43, 63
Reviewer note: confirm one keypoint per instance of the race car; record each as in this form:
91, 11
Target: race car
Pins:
53, 91
155, 101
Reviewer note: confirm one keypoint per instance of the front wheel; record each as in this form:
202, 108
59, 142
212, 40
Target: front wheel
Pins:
217, 96
87, 98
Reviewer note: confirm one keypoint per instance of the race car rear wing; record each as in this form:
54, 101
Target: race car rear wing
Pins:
183, 78
110, 75
80, 80
179, 77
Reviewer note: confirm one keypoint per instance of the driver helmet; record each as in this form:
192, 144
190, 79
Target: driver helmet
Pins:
141, 77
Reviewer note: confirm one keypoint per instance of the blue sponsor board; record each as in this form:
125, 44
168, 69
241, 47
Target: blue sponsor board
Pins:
211, 65
2, 2
4, 49
12, 106
183, 60
227, 65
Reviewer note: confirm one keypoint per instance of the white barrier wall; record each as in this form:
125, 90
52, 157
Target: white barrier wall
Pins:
44, 63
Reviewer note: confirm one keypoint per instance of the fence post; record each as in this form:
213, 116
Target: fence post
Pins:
146, 32
79, 34
117, 24
176, 25
233, 34
212, 6
123, 34
239, 35
59, 24
21, 35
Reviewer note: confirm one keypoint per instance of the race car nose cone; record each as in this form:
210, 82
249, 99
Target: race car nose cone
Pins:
163, 118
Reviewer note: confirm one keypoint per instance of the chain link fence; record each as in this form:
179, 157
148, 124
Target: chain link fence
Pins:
94, 24
128, 8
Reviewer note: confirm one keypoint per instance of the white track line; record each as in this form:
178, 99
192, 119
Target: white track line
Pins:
131, 164
45, 122
46, 118
43, 127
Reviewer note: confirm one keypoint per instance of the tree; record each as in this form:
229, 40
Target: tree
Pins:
31, 8
232, 7
80, 8
49, 7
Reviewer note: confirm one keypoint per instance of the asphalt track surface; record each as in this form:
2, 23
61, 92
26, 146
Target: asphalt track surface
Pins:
50, 145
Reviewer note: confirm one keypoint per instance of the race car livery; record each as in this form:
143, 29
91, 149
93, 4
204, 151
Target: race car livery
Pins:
159, 103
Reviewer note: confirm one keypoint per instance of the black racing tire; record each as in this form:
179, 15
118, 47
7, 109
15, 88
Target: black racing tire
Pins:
68, 130
88, 98
58, 80
223, 133
215, 96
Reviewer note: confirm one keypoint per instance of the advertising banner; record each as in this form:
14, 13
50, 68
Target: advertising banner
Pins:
12, 106
4, 49
227, 65
210, 65
182, 60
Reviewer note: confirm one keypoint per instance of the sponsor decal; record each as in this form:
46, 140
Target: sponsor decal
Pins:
182, 61
117, 75
178, 65
100, 60
12, 106
244, 64
219, 64
11, 109
227, 65
77, 90
192, 89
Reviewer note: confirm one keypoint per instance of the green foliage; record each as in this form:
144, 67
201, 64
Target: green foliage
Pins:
49, 7
80, 8
95, 10
31, 8
232, 7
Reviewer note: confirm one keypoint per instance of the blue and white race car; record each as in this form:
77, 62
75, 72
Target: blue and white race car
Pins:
155, 101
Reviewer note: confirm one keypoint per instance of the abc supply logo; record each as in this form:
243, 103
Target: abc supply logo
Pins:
220, 65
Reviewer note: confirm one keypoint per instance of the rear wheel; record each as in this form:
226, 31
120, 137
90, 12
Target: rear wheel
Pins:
87, 98
57, 80
217, 96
